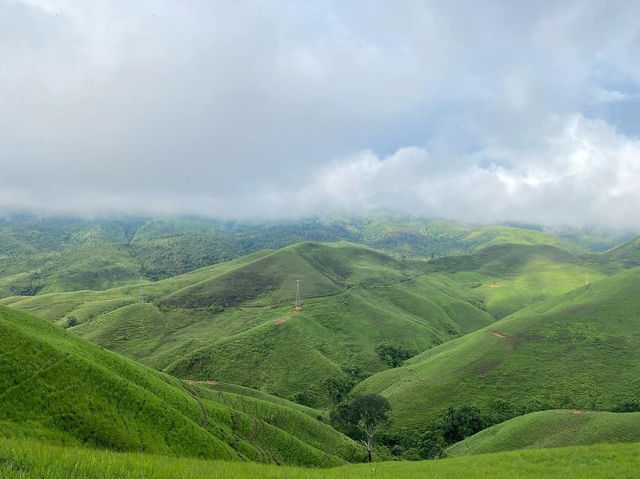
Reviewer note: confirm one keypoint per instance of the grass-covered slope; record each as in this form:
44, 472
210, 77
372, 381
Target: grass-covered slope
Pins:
234, 322
56, 386
362, 299
579, 350
503, 279
556, 428
27, 459
625, 256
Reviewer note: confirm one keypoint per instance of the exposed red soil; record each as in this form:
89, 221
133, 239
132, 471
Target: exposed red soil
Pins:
298, 308
498, 335
574, 411
494, 285
281, 320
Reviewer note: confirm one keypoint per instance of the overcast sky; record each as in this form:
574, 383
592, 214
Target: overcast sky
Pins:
476, 111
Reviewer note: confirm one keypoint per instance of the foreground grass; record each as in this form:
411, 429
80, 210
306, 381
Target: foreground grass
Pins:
27, 459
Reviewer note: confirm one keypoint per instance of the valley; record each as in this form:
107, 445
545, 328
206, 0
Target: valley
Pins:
240, 374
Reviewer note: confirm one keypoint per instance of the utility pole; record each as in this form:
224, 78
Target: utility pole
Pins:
297, 293
141, 292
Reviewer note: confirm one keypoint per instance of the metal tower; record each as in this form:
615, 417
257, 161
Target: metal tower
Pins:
297, 292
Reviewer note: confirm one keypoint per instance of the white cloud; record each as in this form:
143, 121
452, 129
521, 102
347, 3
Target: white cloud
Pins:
241, 108
586, 175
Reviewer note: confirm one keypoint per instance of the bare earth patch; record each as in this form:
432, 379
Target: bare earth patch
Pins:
281, 320
498, 335
494, 285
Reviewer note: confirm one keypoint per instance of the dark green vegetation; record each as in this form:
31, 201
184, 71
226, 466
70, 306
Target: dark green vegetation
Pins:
362, 418
27, 459
54, 254
556, 428
58, 388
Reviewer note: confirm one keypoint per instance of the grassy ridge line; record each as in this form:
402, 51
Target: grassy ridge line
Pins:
28, 459
545, 429
243, 391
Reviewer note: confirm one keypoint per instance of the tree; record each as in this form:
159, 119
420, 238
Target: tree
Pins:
462, 422
337, 388
71, 321
361, 417
393, 355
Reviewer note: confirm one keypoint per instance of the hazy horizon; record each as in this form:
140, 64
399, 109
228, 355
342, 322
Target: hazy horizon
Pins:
517, 112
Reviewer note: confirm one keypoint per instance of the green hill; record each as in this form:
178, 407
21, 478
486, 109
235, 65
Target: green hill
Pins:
234, 322
559, 428
60, 388
27, 459
578, 350
625, 256
505, 278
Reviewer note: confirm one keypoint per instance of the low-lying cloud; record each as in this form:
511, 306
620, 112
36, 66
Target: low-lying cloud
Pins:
516, 111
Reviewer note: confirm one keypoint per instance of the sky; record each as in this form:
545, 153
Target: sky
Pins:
482, 112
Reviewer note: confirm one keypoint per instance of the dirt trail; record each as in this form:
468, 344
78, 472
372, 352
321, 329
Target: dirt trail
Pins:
498, 335
281, 321
85, 301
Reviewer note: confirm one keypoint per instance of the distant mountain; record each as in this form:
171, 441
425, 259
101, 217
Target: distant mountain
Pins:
53, 254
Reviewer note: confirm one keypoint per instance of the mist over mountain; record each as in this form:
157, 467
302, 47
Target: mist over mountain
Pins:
512, 112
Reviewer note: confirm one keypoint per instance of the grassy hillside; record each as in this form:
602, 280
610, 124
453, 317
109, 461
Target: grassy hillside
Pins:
559, 428
505, 278
234, 322
578, 350
625, 256
60, 388
25, 459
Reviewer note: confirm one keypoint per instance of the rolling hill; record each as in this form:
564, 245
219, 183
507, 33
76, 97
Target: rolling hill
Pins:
59, 388
556, 428
234, 322
578, 350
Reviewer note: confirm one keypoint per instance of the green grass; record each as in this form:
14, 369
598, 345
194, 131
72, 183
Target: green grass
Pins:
557, 428
58, 387
578, 350
27, 459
